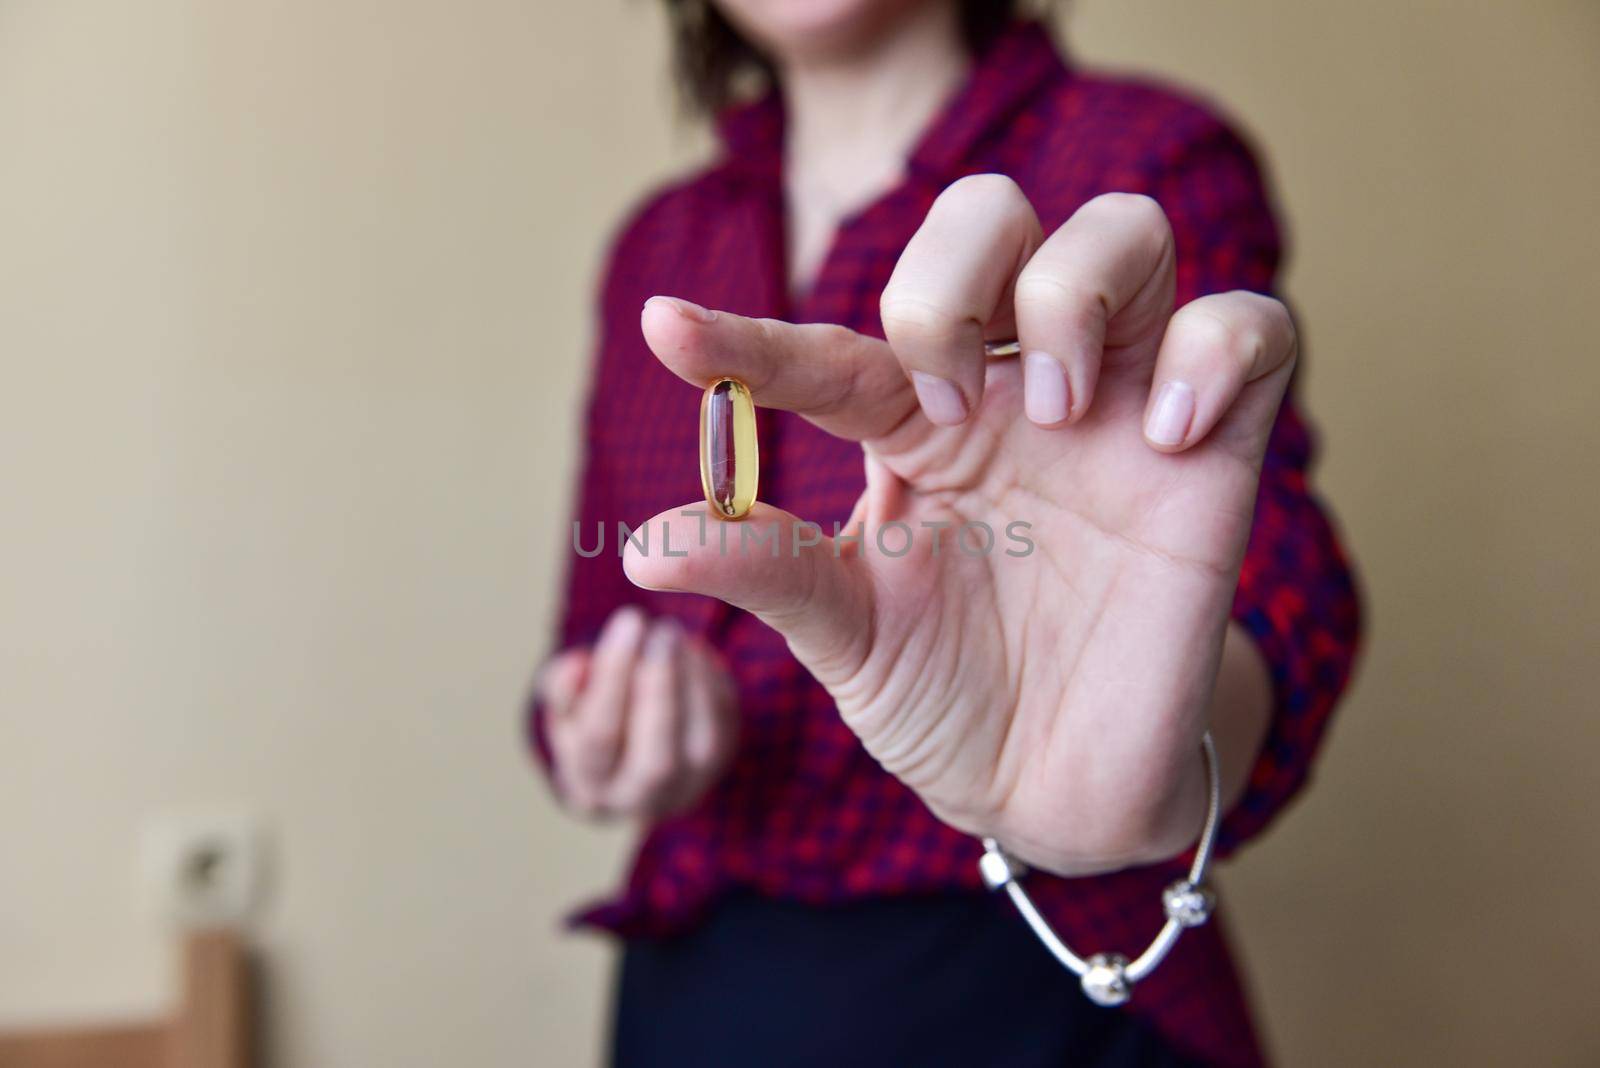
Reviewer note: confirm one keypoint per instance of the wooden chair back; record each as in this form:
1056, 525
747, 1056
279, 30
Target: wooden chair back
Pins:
211, 1026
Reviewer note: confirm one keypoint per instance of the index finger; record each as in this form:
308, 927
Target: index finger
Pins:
847, 383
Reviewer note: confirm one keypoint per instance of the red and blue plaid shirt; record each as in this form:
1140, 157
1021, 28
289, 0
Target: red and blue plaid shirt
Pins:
804, 813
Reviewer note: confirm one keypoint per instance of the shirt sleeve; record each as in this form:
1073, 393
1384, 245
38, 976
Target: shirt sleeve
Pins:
1297, 596
595, 585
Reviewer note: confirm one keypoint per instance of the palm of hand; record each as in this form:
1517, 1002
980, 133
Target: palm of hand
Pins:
1013, 691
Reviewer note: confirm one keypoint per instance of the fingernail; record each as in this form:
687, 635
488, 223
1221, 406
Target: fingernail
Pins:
686, 308
624, 628
1171, 414
663, 638
1046, 397
941, 401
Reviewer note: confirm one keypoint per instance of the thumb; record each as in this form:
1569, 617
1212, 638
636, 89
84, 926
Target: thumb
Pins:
784, 570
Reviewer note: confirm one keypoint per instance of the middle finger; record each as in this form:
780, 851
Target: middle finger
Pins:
953, 284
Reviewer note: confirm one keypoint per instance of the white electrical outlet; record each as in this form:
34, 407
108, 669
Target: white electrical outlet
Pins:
203, 869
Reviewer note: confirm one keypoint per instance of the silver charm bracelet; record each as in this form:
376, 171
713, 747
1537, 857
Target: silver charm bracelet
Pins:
1108, 978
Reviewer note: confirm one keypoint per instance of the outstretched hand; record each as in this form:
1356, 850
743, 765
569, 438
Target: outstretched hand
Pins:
1052, 698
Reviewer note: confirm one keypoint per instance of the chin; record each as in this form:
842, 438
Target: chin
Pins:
810, 28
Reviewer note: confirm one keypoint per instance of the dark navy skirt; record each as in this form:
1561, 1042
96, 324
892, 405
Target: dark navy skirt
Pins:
926, 982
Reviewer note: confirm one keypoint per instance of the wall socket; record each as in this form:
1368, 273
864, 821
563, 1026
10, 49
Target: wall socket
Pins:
203, 868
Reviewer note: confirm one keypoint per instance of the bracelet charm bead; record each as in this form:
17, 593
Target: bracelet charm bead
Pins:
1189, 905
729, 459
1106, 981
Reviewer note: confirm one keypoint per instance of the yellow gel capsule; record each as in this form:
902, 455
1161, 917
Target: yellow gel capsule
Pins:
729, 462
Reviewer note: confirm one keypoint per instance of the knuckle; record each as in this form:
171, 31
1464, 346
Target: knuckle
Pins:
832, 335
768, 331
1133, 209
1249, 347
982, 192
1040, 290
915, 320
1211, 329
1274, 316
854, 360
1264, 334
1136, 213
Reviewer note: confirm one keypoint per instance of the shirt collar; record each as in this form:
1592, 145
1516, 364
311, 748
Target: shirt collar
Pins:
1003, 78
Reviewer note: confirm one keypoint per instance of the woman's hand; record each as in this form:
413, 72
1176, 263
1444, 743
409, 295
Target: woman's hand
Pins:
642, 724
1056, 699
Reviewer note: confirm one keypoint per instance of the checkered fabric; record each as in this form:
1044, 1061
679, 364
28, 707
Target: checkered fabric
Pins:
804, 813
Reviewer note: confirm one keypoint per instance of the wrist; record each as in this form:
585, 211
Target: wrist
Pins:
1129, 831
1109, 978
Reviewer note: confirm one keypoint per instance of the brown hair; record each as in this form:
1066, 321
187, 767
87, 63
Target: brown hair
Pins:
715, 66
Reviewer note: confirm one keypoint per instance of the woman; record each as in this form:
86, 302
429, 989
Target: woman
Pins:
816, 742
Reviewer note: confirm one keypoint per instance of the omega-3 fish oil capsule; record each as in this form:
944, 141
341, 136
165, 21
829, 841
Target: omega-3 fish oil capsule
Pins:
729, 462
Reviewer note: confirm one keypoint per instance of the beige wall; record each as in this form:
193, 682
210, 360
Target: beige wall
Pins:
292, 308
